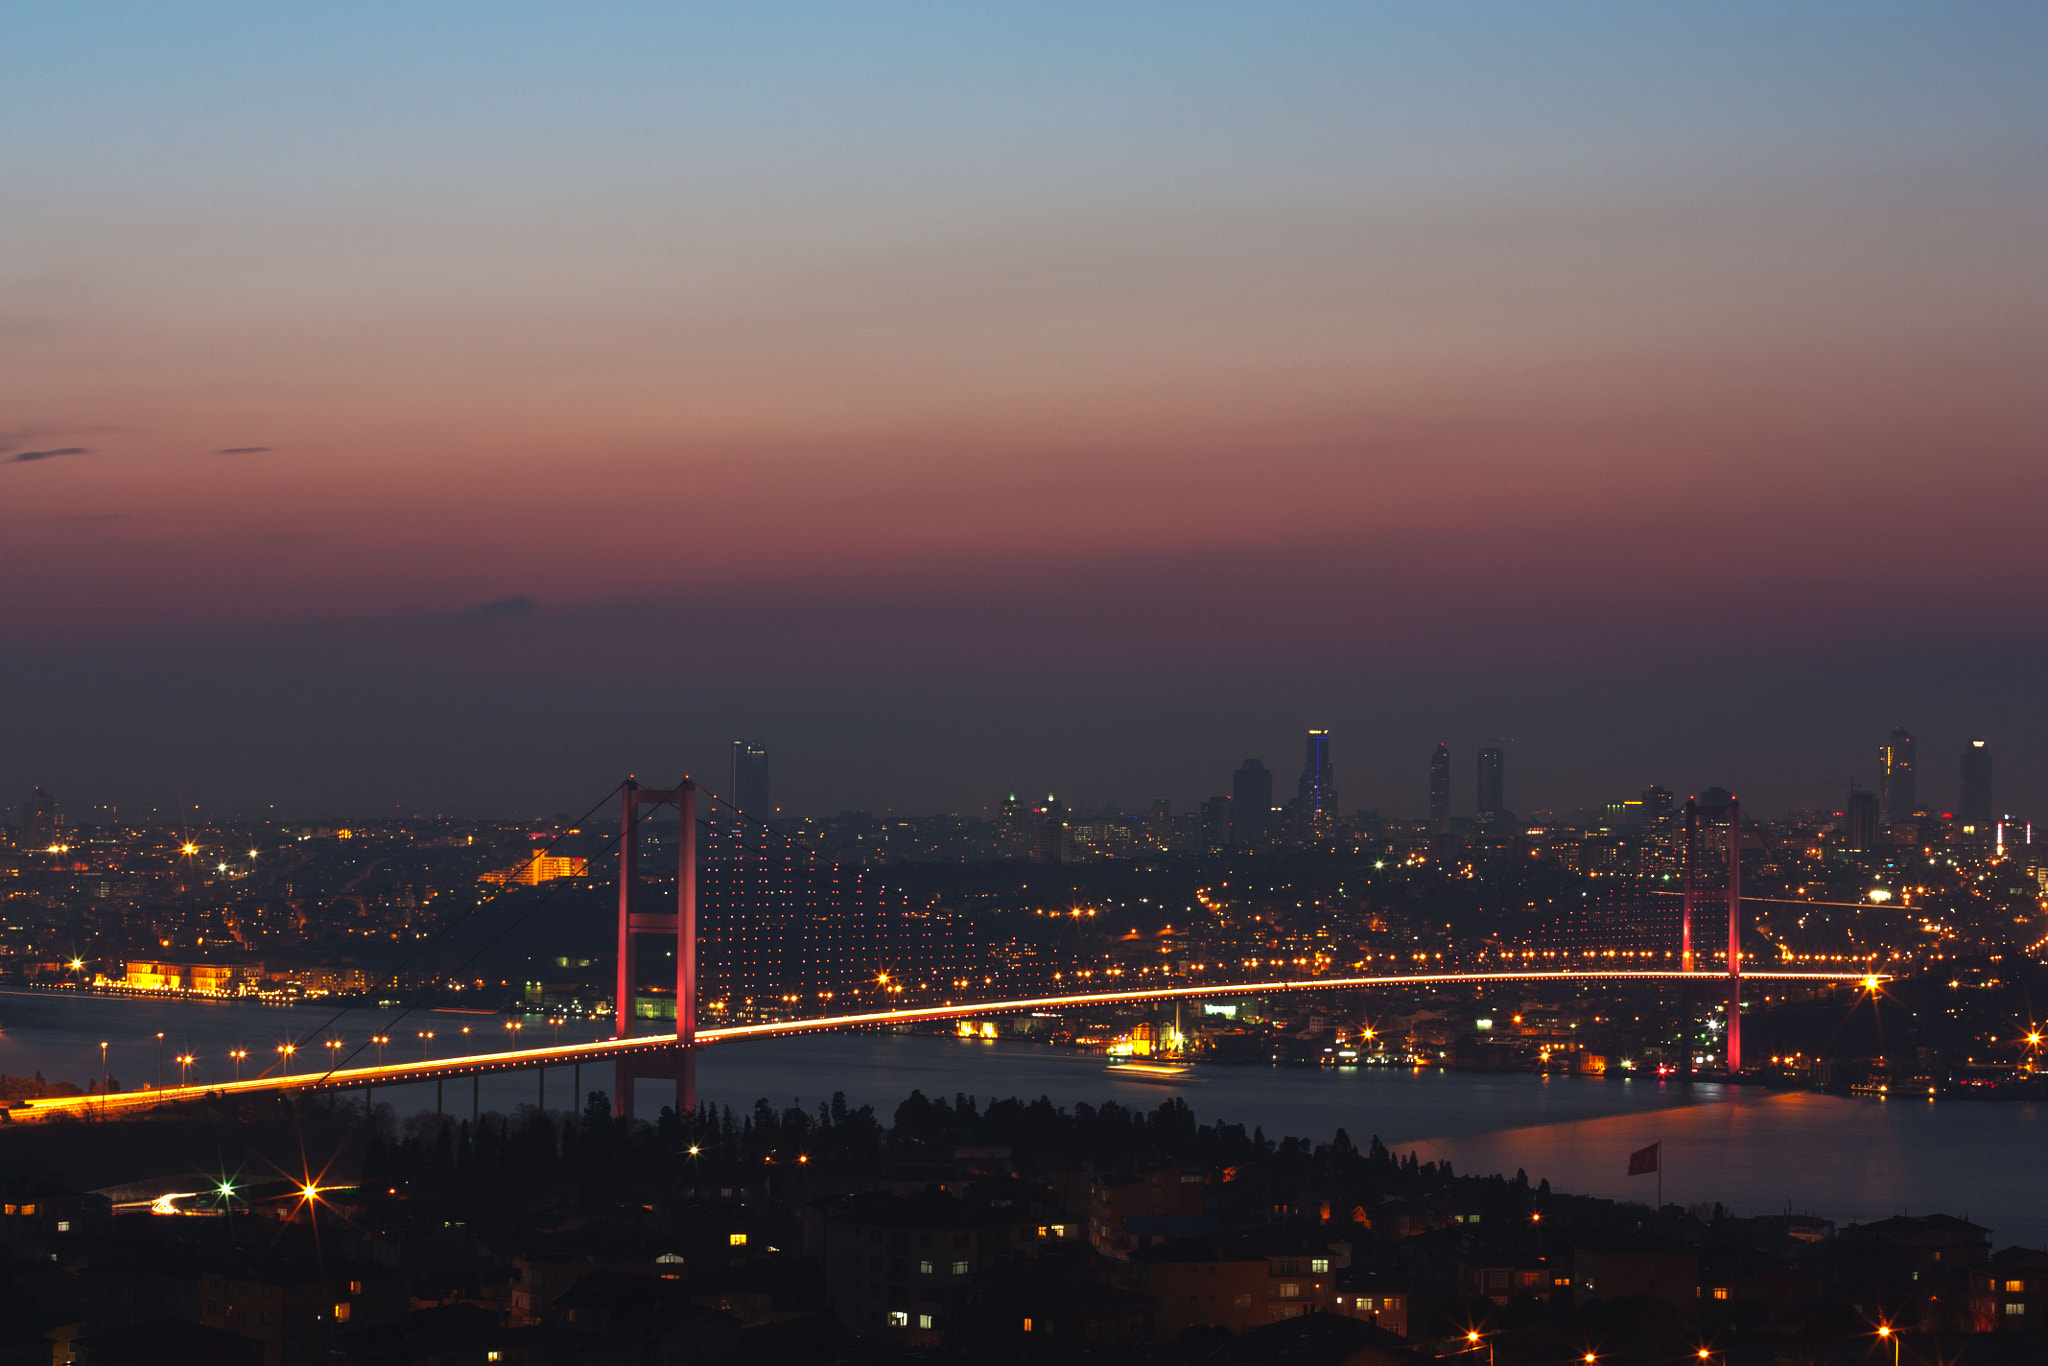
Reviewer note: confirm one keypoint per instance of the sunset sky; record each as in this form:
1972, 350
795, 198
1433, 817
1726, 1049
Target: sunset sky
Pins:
455, 406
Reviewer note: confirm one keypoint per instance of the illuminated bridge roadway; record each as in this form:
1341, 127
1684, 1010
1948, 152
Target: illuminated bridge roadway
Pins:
650, 1048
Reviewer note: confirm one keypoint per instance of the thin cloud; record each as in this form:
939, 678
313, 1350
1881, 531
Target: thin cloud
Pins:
25, 457
518, 606
244, 450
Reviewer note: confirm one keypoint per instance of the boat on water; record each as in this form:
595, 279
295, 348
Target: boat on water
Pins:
1158, 1073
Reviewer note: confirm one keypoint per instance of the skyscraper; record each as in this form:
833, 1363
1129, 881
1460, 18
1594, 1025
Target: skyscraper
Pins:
1318, 790
1051, 842
1251, 803
1859, 820
1895, 767
1493, 784
1440, 789
750, 779
1977, 807
1215, 823
1657, 803
38, 820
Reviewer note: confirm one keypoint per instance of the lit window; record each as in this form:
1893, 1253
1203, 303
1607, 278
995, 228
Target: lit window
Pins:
341, 1313
1319, 1264
924, 1321
63, 1226
899, 1318
1042, 1229
960, 1268
1288, 1290
1027, 1325
2015, 1308
924, 1268
1720, 1292
2015, 1287
736, 1239
494, 1355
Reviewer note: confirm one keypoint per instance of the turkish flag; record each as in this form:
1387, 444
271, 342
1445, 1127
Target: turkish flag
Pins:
1643, 1161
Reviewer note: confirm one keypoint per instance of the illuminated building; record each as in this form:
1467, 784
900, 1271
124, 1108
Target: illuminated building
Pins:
750, 778
1895, 784
1251, 803
1162, 822
1440, 789
776, 921
538, 869
1492, 795
1976, 808
1049, 839
1657, 803
1317, 793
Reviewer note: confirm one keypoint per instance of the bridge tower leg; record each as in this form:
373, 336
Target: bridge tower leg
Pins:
1734, 936
680, 1063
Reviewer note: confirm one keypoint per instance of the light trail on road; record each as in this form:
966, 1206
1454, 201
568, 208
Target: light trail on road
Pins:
605, 1050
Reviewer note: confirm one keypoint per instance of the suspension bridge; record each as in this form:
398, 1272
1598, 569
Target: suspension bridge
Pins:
672, 1056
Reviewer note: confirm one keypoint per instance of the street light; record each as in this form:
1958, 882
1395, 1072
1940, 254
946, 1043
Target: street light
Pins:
185, 1069
159, 1060
380, 1040
285, 1050
426, 1042
1884, 1332
1472, 1336
104, 1084
238, 1054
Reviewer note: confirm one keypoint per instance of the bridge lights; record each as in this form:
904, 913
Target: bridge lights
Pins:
285, 1051
185, 1061
380, 1040
238, 1054
426, 1037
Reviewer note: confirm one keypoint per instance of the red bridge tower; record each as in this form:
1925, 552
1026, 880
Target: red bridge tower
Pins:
680, 1062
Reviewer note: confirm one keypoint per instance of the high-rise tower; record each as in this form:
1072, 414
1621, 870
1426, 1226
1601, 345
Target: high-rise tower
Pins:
1977, 807
1318, 790
750, 779
1895, 785
1493, 783
1251, 804
1440, 789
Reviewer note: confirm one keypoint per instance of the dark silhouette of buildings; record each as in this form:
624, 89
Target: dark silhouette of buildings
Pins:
1657, 803
1859, 820
1215, 823
1895, 766
1440, 789
1251, 803
1492, 783
38, 820
750, 778
1977, 808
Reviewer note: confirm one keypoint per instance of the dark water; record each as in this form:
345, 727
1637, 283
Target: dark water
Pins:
1754, 1151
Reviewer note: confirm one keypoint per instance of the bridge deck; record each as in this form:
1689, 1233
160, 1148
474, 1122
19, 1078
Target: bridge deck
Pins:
480, 1064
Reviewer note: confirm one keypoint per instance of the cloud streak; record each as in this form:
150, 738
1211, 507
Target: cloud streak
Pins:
29, 457
517, 606
244, 450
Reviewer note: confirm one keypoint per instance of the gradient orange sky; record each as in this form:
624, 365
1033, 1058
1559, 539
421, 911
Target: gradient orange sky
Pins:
1041, 397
